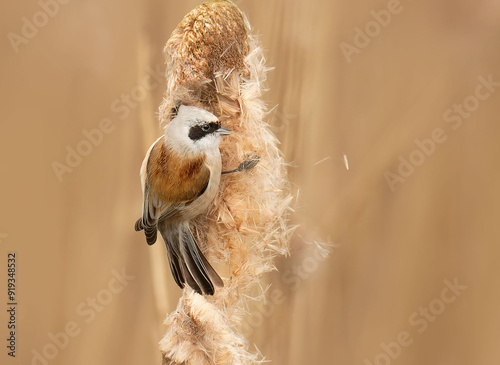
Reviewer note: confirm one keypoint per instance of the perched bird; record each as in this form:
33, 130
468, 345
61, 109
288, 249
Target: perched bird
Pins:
180, 177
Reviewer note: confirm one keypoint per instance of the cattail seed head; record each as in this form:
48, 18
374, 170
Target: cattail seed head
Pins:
213, 62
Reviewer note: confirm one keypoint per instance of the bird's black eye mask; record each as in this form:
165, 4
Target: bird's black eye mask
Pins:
199, 131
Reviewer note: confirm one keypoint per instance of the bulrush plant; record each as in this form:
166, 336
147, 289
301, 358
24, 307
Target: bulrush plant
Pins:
213, 62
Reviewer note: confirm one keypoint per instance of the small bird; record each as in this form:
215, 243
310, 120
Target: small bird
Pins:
180, 178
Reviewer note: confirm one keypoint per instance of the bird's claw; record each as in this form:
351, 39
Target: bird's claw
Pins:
249, 163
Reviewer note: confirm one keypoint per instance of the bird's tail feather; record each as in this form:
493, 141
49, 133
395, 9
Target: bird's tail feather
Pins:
187, 263
150, 232
138, 225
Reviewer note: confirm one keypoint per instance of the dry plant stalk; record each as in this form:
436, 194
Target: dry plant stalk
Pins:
214, 63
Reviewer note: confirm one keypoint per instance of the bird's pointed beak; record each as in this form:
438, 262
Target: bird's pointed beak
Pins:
223, 131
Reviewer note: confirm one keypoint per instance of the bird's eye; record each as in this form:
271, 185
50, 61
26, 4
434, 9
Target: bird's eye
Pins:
205, 127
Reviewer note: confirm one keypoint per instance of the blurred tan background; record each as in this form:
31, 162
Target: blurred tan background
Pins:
397, 242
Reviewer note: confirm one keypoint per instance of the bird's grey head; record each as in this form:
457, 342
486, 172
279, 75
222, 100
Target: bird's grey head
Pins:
194, 130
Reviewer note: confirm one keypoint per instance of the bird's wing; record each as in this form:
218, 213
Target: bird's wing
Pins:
170, 182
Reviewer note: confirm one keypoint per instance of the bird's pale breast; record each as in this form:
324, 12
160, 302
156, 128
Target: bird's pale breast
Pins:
176, 178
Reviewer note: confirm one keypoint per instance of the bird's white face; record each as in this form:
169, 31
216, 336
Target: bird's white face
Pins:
193, 130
